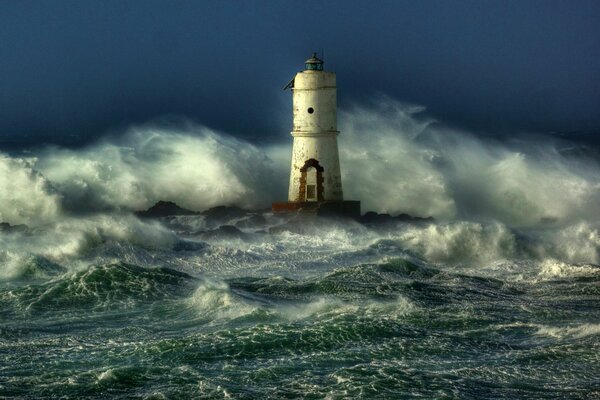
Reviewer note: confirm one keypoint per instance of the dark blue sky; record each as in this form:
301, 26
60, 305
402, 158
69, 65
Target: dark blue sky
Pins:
71, 71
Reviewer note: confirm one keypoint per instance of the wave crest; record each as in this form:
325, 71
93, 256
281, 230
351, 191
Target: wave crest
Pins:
193, 166
26, 196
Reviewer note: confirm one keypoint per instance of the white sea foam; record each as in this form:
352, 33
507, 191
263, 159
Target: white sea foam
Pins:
107, 375
13, 265
577, 331
75, 242
553, 269
578, 243
191, 165
386, 168
397, 160
481, 243
69, 241
26, 197
460, 242
214, 300
394, 159
328, 307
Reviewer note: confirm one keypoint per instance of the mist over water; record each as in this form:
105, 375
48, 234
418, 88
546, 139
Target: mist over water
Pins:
395, 159
398, 160
26, 196
497, 298
192, 165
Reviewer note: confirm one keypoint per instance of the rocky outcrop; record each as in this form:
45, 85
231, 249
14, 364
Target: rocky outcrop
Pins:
372, 218
164, 209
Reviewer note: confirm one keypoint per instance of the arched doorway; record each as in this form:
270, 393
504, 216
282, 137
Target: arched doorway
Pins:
311, 181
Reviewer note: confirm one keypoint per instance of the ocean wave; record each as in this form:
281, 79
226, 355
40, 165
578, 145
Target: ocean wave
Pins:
28, 267
277, 299
554, 269
479, 243
27, 197
345, 310
565, 332
191, 165
394, 159
461, 242
226, 252
214, 301
576, 243
102, 287
69, 240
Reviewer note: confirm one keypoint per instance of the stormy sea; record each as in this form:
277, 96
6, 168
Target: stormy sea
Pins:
491, 290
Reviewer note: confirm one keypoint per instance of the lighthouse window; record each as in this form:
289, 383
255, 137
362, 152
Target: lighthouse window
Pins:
311, 110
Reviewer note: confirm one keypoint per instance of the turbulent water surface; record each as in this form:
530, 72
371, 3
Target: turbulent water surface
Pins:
499, 298
190, 307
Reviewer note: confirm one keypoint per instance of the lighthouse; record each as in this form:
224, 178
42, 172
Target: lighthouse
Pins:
315, 178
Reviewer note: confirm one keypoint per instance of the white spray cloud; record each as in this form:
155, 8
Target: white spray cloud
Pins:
393, 159
386, 168
396, 161
25, 195
68, 240
460, 242
195, 167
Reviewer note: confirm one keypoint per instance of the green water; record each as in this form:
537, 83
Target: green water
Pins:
347, 317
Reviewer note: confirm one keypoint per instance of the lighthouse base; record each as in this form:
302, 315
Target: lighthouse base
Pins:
343, 208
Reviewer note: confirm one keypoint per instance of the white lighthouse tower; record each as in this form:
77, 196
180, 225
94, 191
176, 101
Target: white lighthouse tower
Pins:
315, 171
315, 178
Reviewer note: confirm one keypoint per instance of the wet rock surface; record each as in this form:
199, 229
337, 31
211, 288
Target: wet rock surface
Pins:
164, 209
228, 221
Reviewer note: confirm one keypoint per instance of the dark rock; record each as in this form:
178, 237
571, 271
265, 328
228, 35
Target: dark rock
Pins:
8, 228
410, 218
225, 212
345, 209
373, 219
164, 209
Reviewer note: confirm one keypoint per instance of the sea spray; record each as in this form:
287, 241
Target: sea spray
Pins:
495, 298
410, 309
195, 167
26, 197
394, 160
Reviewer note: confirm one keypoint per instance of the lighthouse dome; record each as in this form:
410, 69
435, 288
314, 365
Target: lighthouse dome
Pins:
314, 63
